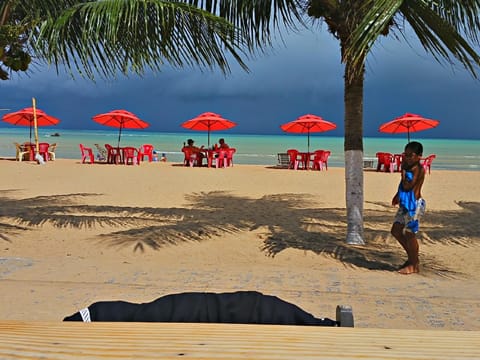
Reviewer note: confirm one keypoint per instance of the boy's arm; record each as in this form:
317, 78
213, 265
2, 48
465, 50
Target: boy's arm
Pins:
409, 185
395, 200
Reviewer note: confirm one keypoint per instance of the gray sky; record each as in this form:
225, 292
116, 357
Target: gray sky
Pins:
303, 76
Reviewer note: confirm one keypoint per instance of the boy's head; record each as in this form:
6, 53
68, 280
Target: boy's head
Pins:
190, 141
413, 153
414, 147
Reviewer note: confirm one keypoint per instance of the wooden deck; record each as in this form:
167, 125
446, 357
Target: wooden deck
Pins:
74, 340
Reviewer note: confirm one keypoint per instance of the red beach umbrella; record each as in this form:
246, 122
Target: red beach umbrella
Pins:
25, 117
408, 123
208, 121
307, 124
120, 119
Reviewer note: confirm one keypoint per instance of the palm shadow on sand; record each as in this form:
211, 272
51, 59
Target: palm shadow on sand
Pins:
282, 221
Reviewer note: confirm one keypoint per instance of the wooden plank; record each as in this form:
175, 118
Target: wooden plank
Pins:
101, 340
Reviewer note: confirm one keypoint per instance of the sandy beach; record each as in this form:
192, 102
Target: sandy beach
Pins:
72, 234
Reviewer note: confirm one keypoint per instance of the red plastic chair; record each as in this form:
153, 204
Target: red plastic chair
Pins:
379, 156
317, 154
427, 162
145, 150
229, 159
87, 153
130, 155
221, 159
398, 159
211, 156
30, 147
189, 158
110, 154
113, 154
386, 161
320, 159
43, 150
296, 159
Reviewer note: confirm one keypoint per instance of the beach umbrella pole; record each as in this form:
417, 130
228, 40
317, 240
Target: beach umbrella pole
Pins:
38, 157
308, 141
119, 135
35, 125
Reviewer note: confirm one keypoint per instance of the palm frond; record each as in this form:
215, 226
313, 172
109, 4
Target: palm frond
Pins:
463, 15
256, 19
439, 26
110, 36
440, 36
378, 17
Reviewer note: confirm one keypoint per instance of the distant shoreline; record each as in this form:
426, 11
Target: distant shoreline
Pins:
251, 149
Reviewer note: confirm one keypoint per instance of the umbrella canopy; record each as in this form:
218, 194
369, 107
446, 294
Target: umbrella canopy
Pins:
408, 123
308, 124
208, 121
25, 117
120, 119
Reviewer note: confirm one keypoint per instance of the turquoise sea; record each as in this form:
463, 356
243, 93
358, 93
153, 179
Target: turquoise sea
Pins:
251, 149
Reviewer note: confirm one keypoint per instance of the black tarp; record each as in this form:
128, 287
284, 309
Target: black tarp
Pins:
241, 307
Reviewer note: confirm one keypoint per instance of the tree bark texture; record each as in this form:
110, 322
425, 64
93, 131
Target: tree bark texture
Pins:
353, 148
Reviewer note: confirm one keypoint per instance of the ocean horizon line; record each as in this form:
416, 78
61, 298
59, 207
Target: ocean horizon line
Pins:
386, 136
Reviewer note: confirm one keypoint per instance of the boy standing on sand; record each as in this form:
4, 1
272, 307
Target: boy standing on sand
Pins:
411, 206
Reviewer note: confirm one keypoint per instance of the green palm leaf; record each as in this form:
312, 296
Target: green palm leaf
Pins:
439, 28
111, 36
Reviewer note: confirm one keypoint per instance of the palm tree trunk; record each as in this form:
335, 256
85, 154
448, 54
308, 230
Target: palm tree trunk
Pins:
4, 13
353, 146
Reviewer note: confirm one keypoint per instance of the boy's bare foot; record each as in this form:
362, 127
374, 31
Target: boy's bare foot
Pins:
409, 269
406, 263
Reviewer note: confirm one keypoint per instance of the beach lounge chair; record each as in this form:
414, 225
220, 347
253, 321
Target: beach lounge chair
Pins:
283, 160
102, 153
51, 151
21, 152
86, 153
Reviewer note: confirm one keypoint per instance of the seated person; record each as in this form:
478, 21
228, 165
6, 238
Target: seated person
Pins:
196, 151
223, 145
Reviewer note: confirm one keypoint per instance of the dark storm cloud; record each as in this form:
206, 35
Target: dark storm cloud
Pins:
304, 76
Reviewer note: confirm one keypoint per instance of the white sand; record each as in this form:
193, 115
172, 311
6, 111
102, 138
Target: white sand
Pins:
73, 234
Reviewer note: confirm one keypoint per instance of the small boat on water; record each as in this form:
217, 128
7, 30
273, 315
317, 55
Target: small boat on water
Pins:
55, 134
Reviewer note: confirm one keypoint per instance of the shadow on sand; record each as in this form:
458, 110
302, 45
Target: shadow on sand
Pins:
284, 221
